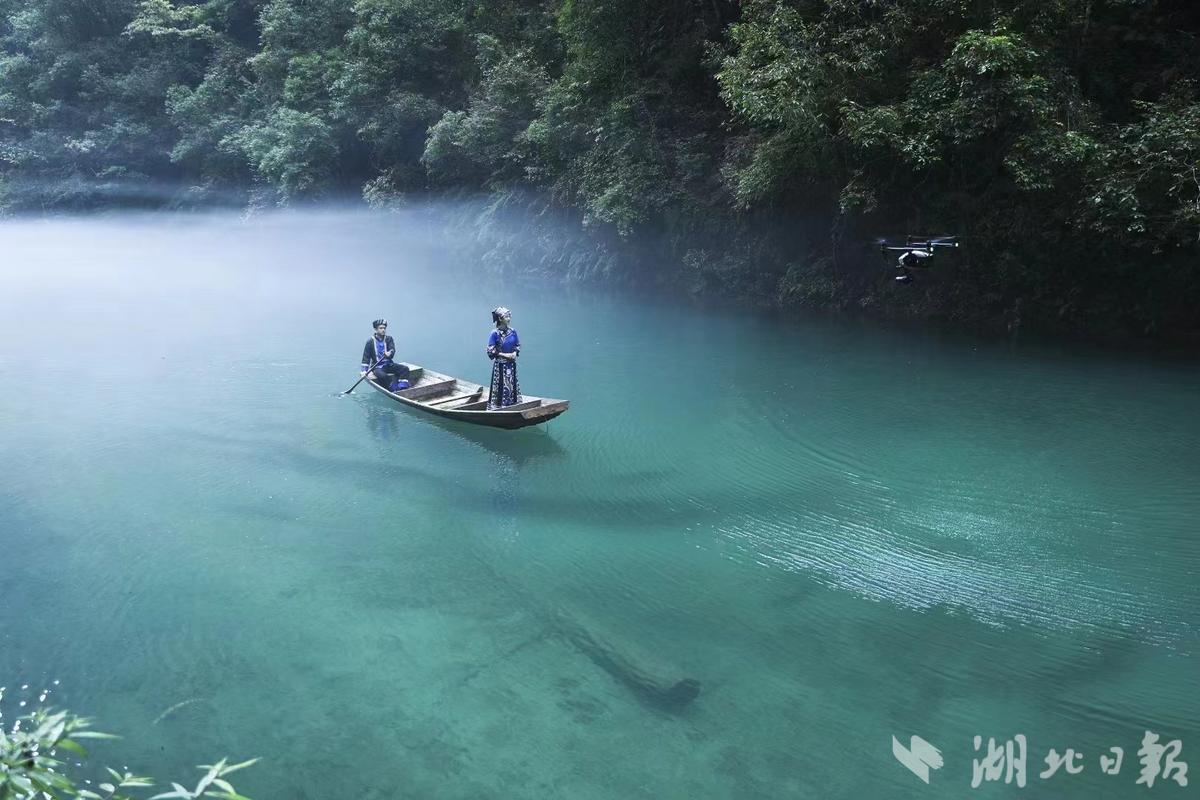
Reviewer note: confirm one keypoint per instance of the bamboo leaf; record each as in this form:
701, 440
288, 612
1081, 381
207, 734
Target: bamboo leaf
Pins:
235, 767
73, 746
207, 780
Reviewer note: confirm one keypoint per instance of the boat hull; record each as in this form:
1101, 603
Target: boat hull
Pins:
451, 398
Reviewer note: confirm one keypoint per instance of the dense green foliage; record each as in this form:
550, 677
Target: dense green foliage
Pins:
33, 765
748, 149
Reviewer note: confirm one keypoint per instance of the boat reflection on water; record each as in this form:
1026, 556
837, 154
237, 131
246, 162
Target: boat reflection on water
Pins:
511, 452
382, 424
513, 448
520, 449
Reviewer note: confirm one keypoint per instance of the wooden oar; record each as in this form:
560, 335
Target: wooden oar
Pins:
364, 375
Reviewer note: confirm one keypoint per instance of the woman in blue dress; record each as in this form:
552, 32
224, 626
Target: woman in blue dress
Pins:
503, 348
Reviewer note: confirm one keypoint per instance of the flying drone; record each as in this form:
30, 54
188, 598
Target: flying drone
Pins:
915, 251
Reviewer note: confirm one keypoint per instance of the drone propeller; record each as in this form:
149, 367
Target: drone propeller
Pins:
923, 242
934, 241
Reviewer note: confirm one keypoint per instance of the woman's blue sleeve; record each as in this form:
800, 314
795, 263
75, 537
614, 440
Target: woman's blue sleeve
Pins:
493, 341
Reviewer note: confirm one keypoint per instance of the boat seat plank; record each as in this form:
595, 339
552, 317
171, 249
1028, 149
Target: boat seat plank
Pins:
444, 400
428, 390
482, 405
522, 406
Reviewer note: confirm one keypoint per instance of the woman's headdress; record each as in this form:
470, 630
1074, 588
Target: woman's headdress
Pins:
500, 312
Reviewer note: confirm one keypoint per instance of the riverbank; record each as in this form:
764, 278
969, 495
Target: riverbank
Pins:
786, 269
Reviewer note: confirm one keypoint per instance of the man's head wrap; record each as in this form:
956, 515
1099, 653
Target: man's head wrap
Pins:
378, 322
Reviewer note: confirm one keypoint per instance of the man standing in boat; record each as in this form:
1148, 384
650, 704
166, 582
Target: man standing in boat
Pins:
379, 350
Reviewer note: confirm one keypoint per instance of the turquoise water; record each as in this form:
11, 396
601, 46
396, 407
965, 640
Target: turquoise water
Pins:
844, 532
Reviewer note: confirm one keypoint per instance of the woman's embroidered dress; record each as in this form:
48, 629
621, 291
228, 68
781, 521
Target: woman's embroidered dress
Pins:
505, 389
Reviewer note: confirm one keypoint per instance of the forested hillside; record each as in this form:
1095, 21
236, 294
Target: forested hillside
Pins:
750, 150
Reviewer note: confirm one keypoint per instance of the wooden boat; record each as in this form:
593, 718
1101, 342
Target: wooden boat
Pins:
454, 398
